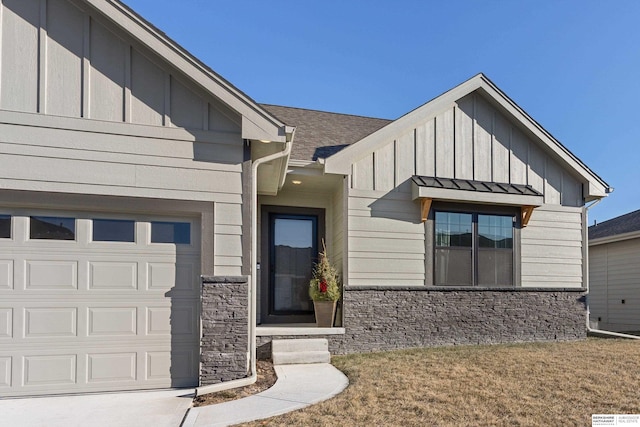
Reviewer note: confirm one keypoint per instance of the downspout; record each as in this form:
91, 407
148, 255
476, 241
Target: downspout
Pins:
586, 281
254, 278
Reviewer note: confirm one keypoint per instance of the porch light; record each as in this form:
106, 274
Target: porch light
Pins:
296, 182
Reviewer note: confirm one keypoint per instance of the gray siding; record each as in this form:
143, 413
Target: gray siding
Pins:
58, 59
614, 276
85, 109
386, 239
338, 227
470, 140
551, 248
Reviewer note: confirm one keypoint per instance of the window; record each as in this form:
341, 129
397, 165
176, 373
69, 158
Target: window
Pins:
113, 230
171, 232
52, 227
473, 249
5, 226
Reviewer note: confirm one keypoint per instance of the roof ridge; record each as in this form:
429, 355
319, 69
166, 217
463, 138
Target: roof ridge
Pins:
324, 111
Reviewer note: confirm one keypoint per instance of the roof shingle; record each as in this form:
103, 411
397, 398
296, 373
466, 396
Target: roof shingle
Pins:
622, 224
320, 134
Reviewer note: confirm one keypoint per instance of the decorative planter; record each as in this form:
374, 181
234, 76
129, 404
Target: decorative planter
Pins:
325, 313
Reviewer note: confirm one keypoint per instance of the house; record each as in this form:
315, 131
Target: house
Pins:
614, 273
129, 169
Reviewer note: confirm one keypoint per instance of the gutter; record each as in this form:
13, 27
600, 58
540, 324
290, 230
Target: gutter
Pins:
586, 283
251, 379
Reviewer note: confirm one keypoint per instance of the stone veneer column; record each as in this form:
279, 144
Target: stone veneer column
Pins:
224, 351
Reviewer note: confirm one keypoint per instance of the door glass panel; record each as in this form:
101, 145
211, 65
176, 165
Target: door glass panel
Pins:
113, 230
171, 232
294, 252
5, 226
52, 227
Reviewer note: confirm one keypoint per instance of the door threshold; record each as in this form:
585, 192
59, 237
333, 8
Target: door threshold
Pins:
296, 329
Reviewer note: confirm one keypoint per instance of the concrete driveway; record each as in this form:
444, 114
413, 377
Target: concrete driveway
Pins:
148, 408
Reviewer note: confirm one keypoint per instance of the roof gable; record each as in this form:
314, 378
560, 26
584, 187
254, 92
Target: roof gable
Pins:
257, 123
444, 107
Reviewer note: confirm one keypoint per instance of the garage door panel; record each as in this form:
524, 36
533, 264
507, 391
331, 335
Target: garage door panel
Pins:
52, 275
59, 369
112, 321
6, 274
6, 324
50, 322
109, 367
79, 316
5, 372
113, 275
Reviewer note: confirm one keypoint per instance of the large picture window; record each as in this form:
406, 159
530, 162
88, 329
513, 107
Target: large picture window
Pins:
474, 249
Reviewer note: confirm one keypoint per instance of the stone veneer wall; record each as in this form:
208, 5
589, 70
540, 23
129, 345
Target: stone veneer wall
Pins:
224, 347
384, 318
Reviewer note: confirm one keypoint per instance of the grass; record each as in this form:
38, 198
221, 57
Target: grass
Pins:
501, 385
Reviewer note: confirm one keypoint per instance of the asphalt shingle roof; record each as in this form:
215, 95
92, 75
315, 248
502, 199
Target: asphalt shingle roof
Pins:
623, 224
319, 134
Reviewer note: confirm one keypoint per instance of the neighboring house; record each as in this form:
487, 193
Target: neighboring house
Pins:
614, 273
128, 169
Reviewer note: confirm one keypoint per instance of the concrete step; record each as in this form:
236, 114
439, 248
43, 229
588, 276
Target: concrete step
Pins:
300, 351
301, 357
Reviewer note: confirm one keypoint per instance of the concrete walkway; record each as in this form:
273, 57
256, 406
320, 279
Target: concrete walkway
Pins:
297, 386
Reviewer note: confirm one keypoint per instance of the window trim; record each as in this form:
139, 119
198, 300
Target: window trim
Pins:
470, 208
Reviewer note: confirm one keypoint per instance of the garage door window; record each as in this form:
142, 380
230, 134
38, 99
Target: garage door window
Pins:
5, 226
113, 230
171, 232
52, 227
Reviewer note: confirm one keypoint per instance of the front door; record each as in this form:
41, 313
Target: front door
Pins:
293, 235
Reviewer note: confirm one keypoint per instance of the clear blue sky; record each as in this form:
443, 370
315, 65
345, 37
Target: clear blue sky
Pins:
573, 65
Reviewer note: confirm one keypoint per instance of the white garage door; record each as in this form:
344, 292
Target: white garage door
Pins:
97, 302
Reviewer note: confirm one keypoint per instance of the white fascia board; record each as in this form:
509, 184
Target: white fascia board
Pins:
616, 238
260, 124
340, 163
447, 194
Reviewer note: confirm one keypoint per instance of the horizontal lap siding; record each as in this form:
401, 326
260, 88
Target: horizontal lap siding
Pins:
551, 248
386, 239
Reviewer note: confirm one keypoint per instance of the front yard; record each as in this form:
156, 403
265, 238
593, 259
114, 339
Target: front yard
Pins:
514, 385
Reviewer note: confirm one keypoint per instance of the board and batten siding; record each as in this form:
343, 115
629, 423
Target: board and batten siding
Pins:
58, 58
614, 277
85, 109
469, 140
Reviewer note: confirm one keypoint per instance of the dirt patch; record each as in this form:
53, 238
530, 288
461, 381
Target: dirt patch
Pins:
266, 379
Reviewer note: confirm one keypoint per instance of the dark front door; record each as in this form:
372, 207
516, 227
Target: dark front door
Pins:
292, 251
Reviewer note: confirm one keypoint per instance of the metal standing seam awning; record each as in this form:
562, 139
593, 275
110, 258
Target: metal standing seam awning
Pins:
428, 189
